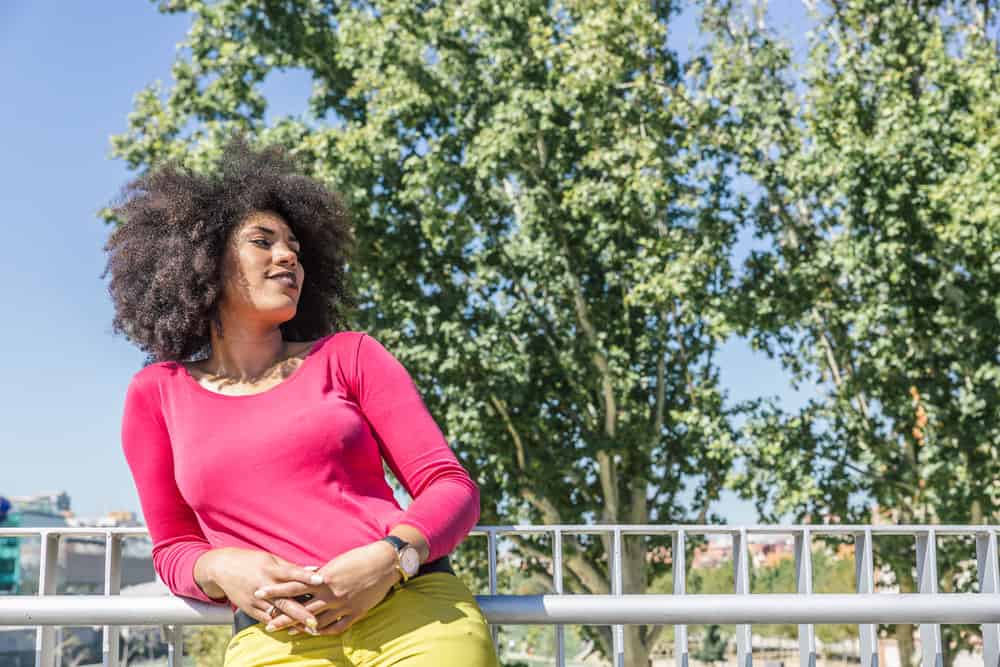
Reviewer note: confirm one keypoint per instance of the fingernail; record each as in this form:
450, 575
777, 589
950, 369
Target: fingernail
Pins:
312, 631
311, 567
293, 631
311, 622
269, 627
259, 593
316, 579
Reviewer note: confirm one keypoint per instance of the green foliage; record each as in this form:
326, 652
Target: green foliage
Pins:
207, 644
831, 574
543, 230
876, 164
545, 209
878, 187
713, 646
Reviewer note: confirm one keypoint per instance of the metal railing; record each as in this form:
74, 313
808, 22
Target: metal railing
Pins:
927, 607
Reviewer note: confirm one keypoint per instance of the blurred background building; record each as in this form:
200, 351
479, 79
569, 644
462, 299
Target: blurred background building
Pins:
79, 568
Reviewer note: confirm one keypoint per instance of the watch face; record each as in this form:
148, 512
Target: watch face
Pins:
409, 559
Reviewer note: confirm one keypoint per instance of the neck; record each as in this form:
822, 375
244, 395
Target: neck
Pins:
245, 353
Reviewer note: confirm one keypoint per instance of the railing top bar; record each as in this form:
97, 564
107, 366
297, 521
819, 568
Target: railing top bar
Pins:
547, 609
73, 531
759, 529
597, 529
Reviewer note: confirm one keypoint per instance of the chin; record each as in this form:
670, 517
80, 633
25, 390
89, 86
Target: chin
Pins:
280, 311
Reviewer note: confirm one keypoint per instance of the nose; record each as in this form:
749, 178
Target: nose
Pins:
284, 254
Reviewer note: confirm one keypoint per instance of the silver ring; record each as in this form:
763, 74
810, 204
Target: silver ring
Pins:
272, 611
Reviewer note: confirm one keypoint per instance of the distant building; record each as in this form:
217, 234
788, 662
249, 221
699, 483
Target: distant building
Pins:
43, 509
10, 551
765, 551
80, 560
79, 568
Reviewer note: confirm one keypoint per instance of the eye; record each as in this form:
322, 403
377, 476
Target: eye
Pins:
297, 251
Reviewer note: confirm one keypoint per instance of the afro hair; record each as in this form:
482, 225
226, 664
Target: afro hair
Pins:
165, 255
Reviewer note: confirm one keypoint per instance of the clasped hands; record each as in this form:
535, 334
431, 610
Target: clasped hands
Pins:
339, 593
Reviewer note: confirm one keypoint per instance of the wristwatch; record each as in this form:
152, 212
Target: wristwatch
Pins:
407, 557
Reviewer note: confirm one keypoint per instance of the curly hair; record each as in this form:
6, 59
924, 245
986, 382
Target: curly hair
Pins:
165, 256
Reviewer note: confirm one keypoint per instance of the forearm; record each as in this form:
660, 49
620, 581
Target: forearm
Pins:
443, 513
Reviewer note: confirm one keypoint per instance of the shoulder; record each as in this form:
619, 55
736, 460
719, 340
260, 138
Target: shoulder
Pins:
362, 347
345, 344
357, 354
339, 350
150, 380
155, 372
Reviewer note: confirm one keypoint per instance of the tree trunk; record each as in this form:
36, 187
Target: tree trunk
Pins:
904, 631
904, 639
949, 655
634, 581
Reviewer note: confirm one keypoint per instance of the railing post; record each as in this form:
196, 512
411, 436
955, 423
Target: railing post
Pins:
112, 586
557, 581
617, 631
45, 635
864, 578
988, 571
804, 586
741, 579
491, 544
174, 636
927, 577
929, 608
678, 554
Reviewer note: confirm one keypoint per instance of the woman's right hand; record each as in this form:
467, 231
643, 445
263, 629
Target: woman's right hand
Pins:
237, 573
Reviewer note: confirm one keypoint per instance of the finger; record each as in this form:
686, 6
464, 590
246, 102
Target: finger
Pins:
285, 571
282, 620
264, 606
318, 605
338, 626
257, 613
287, 589
328, 617
269, 613
292, 611
324, 616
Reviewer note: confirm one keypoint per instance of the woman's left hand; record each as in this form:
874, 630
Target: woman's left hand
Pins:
353, 582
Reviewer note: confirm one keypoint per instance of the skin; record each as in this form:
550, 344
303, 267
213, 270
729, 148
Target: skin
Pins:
251, 357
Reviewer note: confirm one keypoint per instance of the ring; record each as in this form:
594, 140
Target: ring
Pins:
272, 611
305, 597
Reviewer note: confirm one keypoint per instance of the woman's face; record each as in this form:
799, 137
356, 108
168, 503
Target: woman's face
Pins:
260, 249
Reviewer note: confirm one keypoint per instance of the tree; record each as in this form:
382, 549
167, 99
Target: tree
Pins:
207, 644
713, 646
544, 231
876, 168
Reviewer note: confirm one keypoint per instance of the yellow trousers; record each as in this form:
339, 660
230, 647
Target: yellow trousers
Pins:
433, 620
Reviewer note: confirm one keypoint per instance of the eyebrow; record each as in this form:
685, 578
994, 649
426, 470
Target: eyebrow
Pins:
271, 231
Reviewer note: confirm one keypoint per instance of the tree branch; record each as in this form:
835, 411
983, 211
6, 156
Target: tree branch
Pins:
653, 636
501, 407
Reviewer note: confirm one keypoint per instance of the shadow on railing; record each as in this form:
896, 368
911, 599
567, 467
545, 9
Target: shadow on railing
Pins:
929, 608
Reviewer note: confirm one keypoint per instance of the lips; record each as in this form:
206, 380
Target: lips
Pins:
287, 279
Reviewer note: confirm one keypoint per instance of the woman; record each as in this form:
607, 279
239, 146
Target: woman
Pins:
257, 430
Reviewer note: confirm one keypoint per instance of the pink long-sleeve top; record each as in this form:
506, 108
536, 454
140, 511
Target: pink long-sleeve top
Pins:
295, 470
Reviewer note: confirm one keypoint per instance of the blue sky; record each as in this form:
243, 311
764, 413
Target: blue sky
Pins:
68, 74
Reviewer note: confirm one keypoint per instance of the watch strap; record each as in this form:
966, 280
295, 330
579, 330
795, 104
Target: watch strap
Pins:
399, 544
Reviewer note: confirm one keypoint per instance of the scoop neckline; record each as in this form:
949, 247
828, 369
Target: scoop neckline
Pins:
297, 372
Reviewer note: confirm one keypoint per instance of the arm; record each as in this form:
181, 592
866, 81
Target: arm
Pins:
178, 541
445, 502
445, 505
